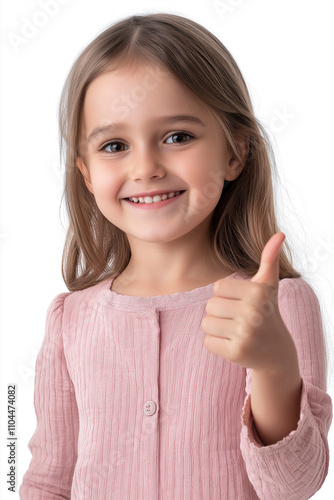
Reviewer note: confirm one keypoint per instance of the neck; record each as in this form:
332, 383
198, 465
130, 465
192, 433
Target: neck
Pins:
181, 264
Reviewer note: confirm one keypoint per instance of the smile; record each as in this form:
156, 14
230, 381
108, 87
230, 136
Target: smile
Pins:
156, 201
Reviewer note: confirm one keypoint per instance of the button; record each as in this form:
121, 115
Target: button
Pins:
150, 408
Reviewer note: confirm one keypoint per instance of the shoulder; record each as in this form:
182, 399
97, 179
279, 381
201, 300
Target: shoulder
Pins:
297, 290
294, 294
290, 289
68, 302
299, 307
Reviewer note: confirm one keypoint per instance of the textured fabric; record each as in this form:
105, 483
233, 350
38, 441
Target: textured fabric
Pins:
131, 406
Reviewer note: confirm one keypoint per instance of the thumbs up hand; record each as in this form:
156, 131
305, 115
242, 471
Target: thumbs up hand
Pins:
243, 322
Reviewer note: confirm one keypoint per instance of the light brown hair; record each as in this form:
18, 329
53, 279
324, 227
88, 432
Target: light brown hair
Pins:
244, 218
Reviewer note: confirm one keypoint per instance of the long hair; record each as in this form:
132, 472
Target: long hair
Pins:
244, 218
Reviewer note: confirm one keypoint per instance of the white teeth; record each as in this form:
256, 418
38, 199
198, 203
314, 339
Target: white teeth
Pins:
156, 198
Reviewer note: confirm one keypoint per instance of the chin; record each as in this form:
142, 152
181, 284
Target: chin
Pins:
159, 235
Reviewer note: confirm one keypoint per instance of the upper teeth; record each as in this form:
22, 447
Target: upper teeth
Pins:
157, 197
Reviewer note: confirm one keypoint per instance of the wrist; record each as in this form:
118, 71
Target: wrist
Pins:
283, 366
275, 402
283, 371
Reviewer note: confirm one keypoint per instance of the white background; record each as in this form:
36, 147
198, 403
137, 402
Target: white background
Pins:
285, 52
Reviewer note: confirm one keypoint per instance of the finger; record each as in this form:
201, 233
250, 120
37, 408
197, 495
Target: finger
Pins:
218, 327
231, 288
268, 273
217, 345
222, 308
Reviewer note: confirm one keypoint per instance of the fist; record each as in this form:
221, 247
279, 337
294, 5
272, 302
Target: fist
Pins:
243, 322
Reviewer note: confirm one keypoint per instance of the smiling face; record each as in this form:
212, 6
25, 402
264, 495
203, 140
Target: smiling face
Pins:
137, 140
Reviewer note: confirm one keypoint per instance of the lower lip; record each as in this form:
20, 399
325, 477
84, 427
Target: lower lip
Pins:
157, 204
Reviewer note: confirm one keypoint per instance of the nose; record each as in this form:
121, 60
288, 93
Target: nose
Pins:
146, 165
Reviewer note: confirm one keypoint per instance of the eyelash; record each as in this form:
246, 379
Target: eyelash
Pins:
120, 142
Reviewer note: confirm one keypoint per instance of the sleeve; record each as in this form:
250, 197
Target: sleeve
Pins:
54, 444
296, 466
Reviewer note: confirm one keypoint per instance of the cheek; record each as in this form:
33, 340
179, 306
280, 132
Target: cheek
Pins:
106, 190
205, 198
104, 184
206, 177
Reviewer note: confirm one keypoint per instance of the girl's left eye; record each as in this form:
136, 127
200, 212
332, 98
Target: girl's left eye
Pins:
179, 134
119, 147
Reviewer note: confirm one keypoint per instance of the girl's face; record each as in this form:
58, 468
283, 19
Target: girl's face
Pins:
155, 137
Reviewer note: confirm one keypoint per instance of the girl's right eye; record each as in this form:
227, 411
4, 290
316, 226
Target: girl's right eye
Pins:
114, 147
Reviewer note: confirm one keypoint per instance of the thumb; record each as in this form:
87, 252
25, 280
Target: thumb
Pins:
268, 272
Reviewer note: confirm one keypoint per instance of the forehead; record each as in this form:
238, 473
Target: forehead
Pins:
136, 94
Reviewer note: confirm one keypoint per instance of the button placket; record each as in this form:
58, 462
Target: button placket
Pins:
152, 346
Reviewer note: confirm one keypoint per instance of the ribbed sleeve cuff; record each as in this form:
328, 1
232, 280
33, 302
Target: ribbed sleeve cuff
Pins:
250, 437
294, 467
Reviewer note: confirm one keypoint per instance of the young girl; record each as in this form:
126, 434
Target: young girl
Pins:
187, 361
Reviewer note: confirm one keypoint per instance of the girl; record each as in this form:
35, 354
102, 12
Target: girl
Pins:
187, 361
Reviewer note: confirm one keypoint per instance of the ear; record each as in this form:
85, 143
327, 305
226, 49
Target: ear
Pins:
236, 164
85, 173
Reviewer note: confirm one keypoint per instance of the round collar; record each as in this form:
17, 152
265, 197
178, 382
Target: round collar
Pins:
131, 303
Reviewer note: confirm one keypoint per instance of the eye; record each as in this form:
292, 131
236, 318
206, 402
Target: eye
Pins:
115, 147
179, 135
119, 146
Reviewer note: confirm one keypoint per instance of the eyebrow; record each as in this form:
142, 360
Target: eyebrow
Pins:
163, 119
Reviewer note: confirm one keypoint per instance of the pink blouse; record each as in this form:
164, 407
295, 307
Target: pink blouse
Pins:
131, 406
